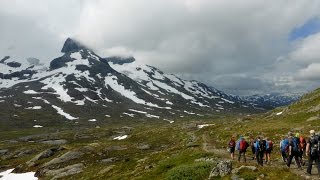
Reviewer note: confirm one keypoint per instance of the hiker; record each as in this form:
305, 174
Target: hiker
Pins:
253, 149
302, 147
232, 147
293, 150
284, 143
260, 146
312, 151
269, 148
242, 146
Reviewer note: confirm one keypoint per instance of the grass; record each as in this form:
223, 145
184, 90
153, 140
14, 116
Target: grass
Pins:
168, 157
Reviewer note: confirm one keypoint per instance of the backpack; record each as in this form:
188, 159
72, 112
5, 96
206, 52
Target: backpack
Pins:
294, 142
284, 145
302, 143
314, 146
232, 144
262, 145
243, 145
269, 145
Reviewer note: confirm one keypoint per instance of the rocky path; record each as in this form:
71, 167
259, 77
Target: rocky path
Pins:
208, 146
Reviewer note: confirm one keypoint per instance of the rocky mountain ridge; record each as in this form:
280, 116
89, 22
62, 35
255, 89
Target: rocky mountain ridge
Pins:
82, 86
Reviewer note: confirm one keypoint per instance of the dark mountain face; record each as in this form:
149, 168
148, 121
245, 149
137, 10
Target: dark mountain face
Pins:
81, 86
71, 45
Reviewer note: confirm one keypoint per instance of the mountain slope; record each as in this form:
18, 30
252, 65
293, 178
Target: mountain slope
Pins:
82, 86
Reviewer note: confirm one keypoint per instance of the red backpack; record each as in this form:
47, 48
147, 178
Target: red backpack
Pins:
270, 145
243, 145
302, 144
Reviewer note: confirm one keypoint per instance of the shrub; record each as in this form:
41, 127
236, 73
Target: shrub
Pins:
194, 171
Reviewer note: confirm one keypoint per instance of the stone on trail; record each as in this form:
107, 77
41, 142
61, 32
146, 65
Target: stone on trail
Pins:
222, 169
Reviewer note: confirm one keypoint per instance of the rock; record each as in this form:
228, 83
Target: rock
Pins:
115, 148
144, 147
44, 154
227, 129
313, 118
3, 151
14, 64
236, 177
64, 158
55, 142
66, 171
252, 168
107, 169
192, 144
222, 169
148, 167
109, 160
142, 160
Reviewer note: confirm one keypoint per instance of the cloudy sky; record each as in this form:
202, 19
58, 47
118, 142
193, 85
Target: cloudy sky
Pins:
241, 47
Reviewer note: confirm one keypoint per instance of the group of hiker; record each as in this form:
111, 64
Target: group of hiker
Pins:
291, 146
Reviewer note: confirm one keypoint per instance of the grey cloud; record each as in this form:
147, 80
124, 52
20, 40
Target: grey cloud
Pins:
199, 39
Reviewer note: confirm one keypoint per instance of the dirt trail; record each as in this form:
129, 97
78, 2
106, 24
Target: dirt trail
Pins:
208, 146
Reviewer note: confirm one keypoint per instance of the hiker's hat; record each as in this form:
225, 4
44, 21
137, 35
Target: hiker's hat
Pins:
312, 131
297, 135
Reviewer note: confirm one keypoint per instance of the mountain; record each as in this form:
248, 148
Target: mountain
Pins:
271, 101
86, 88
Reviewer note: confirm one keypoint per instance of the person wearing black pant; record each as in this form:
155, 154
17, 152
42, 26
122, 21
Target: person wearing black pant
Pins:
292, 152
260, 150
312, 152
253, 149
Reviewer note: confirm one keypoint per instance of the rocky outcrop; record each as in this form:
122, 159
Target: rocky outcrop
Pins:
64, 158
71, 45
44, 154
63, 172
222, 169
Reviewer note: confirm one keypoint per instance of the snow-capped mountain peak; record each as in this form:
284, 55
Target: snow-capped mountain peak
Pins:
81, 85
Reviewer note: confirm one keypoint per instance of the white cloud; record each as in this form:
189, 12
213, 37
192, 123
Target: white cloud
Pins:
308, 50
311, 73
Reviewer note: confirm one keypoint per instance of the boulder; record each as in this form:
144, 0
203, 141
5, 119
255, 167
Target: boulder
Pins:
313, 118
109, 160
55, 142
252, 168
44, 154
106, 170
3, 151
144, 147
64, 158
66, 171
222, 169
227, 129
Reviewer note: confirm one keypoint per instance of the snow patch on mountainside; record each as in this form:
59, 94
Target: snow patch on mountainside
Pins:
111, 81
61, 112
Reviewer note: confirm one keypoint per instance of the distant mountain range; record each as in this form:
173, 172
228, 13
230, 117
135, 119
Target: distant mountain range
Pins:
86, 88
273, 100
